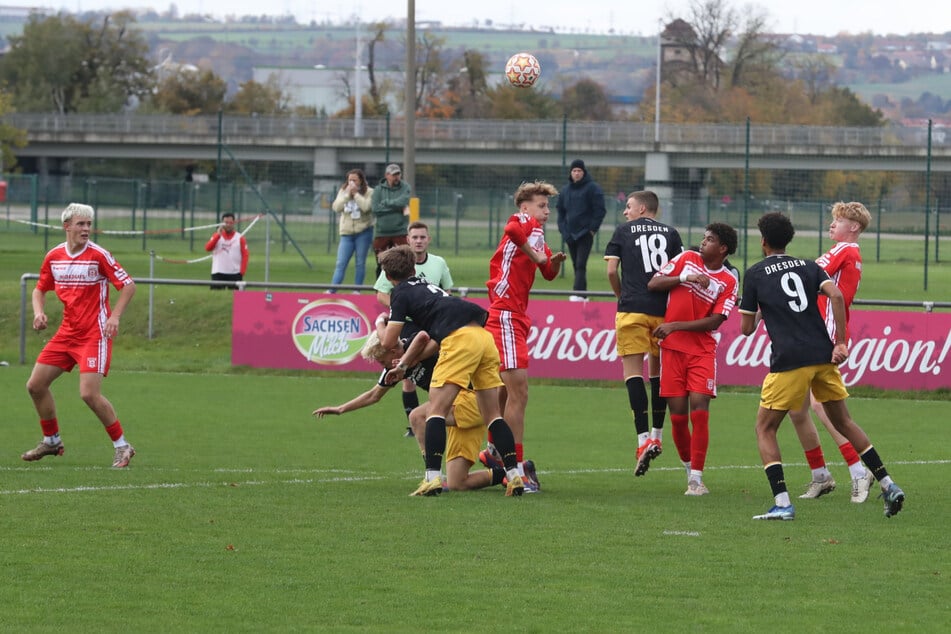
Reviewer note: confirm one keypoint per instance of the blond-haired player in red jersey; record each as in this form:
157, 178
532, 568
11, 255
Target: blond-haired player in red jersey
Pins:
702, 296
521, 251
843, 263
79, 271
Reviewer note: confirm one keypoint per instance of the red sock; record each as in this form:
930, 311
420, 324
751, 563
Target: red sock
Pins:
680, 431
519, 452
51, 427
815, 458
700, 438
115, 431
849, 453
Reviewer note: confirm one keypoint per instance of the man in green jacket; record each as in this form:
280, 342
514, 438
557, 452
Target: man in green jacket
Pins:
390, 203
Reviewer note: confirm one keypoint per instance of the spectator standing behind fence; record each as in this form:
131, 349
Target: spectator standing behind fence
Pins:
354, 204
229, 253
580, 214
391, 210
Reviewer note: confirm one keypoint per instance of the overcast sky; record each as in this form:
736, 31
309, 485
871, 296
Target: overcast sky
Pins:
820, 17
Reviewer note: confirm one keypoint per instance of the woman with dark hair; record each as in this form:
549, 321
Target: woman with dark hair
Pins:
356, 225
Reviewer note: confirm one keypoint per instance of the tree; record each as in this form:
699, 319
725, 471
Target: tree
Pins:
508, 102
255, 98
61, 64
190, 92
10, 137
586, 100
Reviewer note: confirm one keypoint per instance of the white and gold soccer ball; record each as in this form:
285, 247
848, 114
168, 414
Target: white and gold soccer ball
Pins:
522, 70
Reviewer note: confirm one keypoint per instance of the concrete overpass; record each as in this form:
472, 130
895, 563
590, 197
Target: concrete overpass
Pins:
331, 144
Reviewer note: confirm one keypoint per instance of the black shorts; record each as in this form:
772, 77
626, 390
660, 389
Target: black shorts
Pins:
225, 277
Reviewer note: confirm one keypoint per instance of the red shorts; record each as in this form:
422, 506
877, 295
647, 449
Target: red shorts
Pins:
91, 355
510, 331
683, 372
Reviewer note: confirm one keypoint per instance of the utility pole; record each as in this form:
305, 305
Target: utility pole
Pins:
409, 97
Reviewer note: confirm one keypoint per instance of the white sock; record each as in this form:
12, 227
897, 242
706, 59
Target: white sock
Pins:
432, 474
821, 474
695, 475
521, 469
120, 442
687, 467
51, 440
642, 438
885, 482
783, 499
857, 470
657, 434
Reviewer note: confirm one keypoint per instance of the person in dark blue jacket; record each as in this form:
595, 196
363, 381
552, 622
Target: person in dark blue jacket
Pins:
580, 213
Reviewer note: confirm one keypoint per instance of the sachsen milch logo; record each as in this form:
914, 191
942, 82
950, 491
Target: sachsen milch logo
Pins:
330, 331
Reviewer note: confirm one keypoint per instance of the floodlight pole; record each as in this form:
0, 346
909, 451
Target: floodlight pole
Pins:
657, 86
409, 97
358, 89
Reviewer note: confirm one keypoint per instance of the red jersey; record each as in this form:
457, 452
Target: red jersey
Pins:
511, 272
688, 301
843, 263
81, 282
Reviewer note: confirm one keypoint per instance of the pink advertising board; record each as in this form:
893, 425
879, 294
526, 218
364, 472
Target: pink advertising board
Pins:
308, 331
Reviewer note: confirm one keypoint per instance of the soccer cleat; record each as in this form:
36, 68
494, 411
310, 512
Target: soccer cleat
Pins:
696, 488
647, 452
861, 486
409, 433
894, 499
530, 479
784, 513
514, 487
818, 488
428, 488
42, 450
490, 458
123, 456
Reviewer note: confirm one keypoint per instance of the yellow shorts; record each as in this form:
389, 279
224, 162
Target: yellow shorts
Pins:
468, 356
787, 390
466, 437
635, 333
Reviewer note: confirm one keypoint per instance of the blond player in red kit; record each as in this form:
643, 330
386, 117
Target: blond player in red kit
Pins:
79, 271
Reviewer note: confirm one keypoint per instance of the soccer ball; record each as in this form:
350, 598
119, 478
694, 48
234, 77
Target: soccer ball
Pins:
522, 70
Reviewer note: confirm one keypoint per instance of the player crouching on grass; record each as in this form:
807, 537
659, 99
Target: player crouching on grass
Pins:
465, 428
467, 357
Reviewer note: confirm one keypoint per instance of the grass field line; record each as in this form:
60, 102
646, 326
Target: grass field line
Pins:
337, 478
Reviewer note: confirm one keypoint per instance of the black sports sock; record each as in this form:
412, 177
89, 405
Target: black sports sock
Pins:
874, 463
410, 402
498, 474
504, 442
637, 396
777, 481
658, 404
435, 442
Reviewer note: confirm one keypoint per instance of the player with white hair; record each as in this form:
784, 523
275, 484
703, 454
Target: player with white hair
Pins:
79, 271
465, 428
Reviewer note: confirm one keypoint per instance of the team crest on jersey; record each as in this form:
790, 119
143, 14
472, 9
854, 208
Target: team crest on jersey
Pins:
90, 362
330, 331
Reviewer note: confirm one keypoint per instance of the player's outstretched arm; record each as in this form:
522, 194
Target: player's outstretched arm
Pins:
366, 399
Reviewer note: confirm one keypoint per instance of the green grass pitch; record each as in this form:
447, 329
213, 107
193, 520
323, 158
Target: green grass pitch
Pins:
242, 513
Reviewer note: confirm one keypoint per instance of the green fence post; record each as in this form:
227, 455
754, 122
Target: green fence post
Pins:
878, 231
144, 188
135, 199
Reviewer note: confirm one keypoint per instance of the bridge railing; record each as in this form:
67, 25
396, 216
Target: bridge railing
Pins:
613, 132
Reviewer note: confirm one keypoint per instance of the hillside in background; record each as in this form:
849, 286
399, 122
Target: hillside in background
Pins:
905, 77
